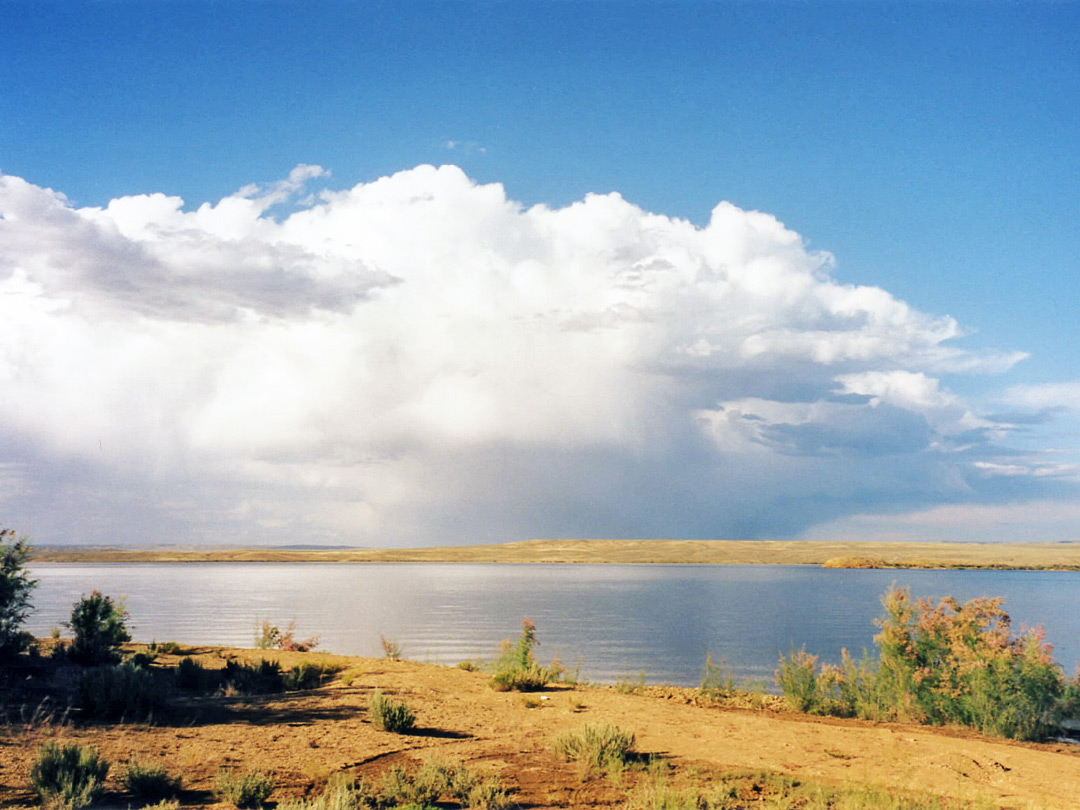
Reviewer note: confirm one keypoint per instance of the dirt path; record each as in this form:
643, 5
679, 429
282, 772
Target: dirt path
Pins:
305, 737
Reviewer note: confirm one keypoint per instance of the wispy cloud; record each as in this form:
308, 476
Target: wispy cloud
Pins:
420, 359
468, 147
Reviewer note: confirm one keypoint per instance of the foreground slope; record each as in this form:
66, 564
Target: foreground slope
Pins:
304, 738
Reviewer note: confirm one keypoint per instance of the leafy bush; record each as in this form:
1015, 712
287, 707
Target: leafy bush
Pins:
595, 745
165, 648
244, 790
516, 667
119, 691
271, 637
99, 624
150, 783
15, 589
69, 776
961, 663
804, 689
390, 715
939, 663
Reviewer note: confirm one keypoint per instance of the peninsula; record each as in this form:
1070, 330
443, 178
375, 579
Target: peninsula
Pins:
1064, 556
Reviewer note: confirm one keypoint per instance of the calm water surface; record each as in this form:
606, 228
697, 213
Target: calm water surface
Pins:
615, 620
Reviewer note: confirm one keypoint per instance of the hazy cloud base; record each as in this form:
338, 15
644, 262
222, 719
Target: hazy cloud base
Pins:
421, 360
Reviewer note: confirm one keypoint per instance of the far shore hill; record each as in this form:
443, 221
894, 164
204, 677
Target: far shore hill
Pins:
1063, 556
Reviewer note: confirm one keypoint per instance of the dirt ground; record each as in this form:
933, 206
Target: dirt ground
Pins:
305, 737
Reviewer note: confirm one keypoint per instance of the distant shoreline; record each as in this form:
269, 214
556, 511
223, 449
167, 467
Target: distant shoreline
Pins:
988, 556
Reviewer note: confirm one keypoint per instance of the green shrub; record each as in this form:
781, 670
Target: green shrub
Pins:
804, 689
15, 589
516, 669
390, 715
165, 648
119, 691
939, 663
244, 790
307, 675
67, 777
263, 678
99, 625
595, 745
150, 783
961, 663
142, 660
190, 674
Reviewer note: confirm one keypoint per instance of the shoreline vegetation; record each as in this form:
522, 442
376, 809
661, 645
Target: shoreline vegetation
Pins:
1063, 556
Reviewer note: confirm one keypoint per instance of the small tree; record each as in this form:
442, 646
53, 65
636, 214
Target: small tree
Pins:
15, 588
99, 626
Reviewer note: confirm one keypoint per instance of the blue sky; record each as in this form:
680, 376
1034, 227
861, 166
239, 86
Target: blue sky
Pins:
928, 147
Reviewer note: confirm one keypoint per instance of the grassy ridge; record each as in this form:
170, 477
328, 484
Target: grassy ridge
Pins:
1033, 556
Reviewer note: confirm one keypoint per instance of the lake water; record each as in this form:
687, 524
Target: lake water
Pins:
615, 620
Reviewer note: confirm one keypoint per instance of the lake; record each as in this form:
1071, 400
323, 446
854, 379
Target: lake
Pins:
616, 621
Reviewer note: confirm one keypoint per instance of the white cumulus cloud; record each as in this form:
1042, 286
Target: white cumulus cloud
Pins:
420, 359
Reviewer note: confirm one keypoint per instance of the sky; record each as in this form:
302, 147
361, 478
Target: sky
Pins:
401, 274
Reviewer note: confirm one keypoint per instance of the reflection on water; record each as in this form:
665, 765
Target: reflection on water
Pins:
615, 620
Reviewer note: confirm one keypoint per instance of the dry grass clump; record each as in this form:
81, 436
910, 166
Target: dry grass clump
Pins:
422, 787
763, 790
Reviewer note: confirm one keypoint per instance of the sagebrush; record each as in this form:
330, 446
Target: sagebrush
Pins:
244, 790
68, 776
150, 783
595, 745
388, 714
120, 691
